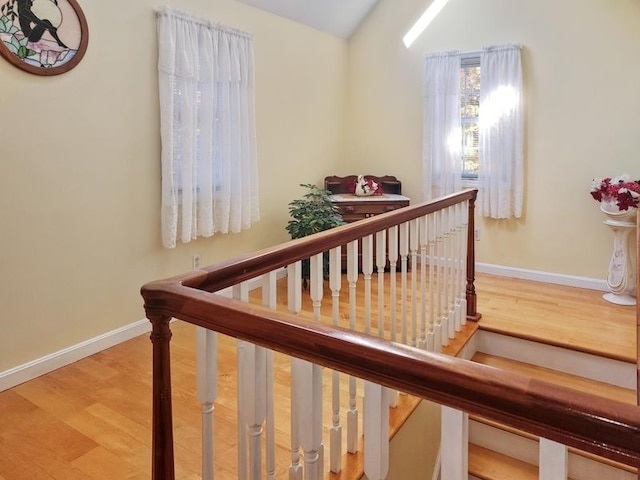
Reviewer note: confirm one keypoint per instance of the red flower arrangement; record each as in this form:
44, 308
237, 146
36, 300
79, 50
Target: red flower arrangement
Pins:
364, 186
624, 192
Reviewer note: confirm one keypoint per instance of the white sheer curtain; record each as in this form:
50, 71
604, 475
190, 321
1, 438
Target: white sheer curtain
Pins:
500, 176
207, 116
441, 162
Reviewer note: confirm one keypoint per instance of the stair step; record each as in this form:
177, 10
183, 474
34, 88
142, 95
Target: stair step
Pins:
567, 317
560, 378
486, 464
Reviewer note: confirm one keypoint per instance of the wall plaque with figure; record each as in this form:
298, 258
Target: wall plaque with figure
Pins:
43, 37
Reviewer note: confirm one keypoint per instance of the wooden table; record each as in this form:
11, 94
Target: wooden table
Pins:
354, 208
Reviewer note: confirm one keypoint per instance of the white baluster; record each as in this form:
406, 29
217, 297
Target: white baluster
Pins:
309, 399
253, 387
269, 299
553, 460
207, 391
271, 431
352, 278
451, 255
455, 444
294, 301
393, 301
445, 284
404, 252
422, 241
335, 282
207, 374
335, 438
444, 259
441, 318
433, 265
316, 283
269, 290
376, 431
381, 260
463, 261
367, 270
458, 267
455, 249
241, 292
294, 287
393, 265
413, 249
316, 289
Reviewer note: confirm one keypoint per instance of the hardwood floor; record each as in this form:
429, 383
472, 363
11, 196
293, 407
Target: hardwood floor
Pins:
92, 420
570, 317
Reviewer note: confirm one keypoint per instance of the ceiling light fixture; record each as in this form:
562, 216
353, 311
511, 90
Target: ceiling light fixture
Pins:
423, 22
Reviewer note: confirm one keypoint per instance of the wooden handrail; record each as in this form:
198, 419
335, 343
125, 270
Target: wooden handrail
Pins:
168, 298
228, 273
591, 423
588, 422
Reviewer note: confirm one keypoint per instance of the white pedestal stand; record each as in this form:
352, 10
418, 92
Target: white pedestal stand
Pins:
621, 277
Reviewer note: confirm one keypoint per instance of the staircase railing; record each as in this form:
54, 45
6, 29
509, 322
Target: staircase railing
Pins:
435, 232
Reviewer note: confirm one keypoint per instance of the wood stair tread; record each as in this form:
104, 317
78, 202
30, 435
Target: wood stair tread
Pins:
489, 465
574, 318
577, 382
568, 380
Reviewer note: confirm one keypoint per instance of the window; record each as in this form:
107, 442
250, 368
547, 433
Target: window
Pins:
207, 119
210, 167
473, 127
470, 115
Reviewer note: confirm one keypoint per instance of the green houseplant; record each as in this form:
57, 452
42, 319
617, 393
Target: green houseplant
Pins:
313, 213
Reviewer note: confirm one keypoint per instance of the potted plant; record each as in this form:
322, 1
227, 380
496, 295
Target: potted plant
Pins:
313, 213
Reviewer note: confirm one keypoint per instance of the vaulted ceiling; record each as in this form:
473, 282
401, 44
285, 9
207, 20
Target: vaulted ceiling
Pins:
337, 17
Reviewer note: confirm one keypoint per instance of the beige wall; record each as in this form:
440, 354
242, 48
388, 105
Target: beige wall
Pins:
581, 79
414, 449
80, 181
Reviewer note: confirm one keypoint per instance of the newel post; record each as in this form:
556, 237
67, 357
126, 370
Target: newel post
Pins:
472, 312
162, 465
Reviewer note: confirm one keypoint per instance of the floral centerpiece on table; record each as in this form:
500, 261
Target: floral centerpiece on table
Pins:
364, 187
621, 191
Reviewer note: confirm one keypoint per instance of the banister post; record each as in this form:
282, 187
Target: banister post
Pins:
162, 464
472, 312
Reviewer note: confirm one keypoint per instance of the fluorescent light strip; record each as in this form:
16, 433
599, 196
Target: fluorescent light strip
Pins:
423, 22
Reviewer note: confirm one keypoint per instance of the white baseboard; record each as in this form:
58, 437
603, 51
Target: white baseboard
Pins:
40, 366
546, 277
48, 363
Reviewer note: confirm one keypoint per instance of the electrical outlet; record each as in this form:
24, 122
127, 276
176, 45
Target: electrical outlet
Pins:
476, 234
195, 261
